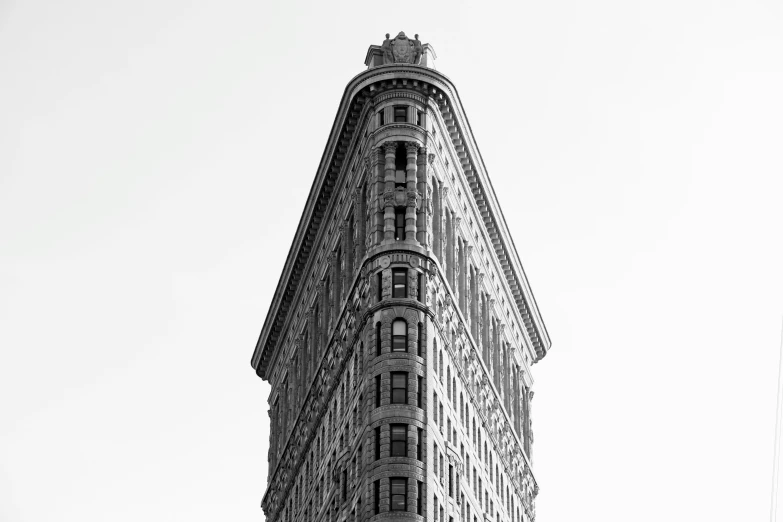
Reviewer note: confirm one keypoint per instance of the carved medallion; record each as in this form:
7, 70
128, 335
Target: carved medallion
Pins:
402, 49
384, 262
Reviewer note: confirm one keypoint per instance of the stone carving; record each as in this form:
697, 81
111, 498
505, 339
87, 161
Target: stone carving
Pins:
386, 47
402, 49
417, 49
413, 199
389, 198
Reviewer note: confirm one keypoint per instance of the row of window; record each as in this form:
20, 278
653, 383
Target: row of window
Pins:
398, 499
400, 115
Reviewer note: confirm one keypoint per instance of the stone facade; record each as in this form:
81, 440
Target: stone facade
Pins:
400, 338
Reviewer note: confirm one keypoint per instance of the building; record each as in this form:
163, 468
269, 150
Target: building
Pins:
399, 341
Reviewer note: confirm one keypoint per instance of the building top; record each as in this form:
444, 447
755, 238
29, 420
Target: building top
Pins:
396, 63
400, 50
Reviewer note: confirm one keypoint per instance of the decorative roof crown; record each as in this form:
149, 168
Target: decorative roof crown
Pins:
400, 51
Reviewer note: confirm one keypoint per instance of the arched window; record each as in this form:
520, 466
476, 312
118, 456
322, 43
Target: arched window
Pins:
399, 336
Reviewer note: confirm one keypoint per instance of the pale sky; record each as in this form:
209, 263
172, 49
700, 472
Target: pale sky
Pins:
155, 157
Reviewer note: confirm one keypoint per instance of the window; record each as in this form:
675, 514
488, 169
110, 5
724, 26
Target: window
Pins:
379, 281
377, 390
399, 223
399, 494
380, 118
420, 340
420, 390
399, 178
420, 287
399, 336
377, 339
399, 440
377, 443
418, 118
451, 481
399, 282
399, 388
420, 491
377, 496
419, 444
400, 114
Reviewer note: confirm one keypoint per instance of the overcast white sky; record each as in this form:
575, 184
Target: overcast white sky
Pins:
155, 157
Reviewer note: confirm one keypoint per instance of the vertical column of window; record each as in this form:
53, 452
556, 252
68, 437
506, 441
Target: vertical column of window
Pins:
377, 497
420, 391
419, 444
378, 339
377, 442
419, 497
377, 391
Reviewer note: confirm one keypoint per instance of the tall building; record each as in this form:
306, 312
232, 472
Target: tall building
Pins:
399, 341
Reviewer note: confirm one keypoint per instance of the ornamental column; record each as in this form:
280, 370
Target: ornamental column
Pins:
389, 150
425, 205
411, 150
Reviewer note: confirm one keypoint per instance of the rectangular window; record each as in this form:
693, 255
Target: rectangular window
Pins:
399, 494
399, 336
378, 339
435, 406
377, 443
418, 118
379, 281
380, 118
399, 224
377, 391
420, 498
400, 114
419, 444
399, 440
451, 481
420, 397
420, 341
420, 287
399, 282
377, 496
345, 485
399, 388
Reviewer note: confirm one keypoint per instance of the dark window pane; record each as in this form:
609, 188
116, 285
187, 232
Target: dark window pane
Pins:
398, 343
398, 397
400, 114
